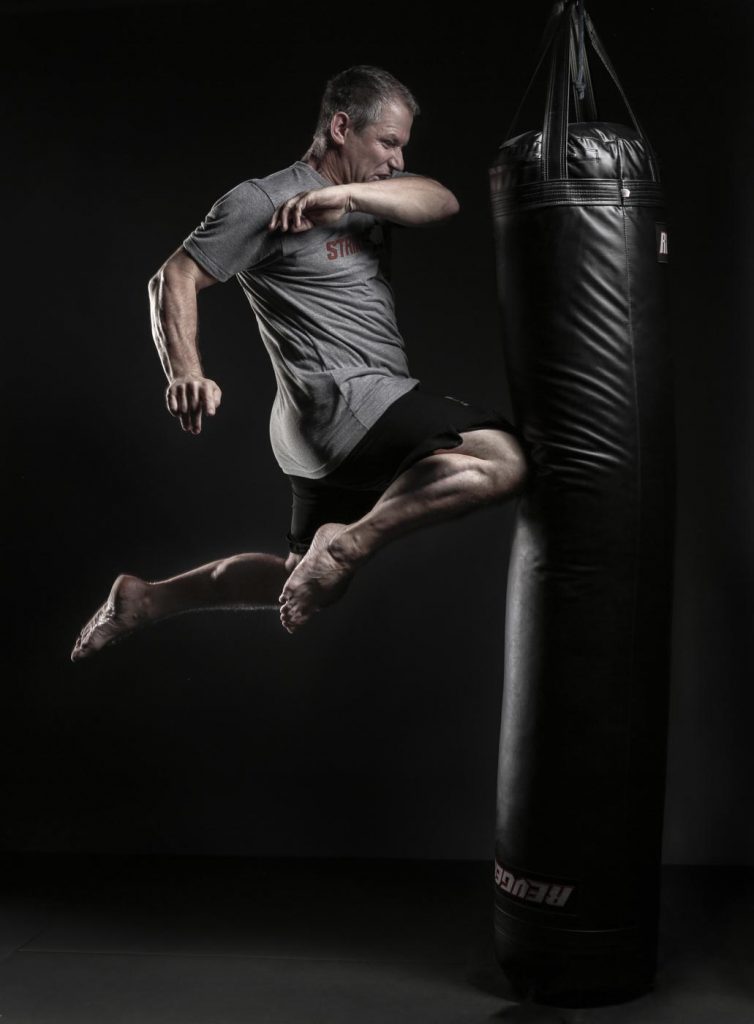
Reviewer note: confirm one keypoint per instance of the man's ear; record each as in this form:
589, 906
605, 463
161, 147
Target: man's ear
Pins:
339, 127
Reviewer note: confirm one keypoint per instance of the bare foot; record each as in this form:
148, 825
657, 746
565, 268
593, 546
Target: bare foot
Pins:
318, 580
122, 613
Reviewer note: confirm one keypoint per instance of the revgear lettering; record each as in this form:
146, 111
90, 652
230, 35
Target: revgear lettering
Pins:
550, 894
558, 895
662, 242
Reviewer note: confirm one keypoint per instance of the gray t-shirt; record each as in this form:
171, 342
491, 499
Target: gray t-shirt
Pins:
325, 313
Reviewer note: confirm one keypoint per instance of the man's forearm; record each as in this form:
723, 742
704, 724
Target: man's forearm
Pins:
172, 298
406, 200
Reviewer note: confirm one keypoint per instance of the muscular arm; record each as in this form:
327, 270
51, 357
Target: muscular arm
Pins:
408, 200
173, 303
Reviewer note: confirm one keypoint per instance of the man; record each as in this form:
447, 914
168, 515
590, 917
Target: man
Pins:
369, 455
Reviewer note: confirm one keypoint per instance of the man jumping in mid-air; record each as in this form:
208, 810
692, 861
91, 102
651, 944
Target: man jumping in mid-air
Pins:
369, 454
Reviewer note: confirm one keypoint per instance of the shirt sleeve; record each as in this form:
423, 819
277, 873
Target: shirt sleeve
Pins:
233, 236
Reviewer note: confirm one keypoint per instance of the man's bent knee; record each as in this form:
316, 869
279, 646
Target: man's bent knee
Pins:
221, 568
502, 458
511, 471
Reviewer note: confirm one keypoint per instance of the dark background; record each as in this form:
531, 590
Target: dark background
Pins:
373, 731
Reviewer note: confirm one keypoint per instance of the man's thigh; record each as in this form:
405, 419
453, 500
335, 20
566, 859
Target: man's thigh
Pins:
413, 427
416, 425
485, 443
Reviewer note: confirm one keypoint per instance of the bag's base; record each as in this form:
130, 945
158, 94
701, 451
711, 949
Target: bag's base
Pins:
575, 969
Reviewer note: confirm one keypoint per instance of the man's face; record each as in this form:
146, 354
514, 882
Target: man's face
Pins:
376, 151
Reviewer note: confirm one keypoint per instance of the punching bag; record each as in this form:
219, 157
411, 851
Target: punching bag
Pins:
582, 249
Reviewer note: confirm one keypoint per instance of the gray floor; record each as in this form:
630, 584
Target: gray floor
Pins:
225, 941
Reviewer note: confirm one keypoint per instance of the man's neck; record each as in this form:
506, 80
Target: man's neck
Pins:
329, 167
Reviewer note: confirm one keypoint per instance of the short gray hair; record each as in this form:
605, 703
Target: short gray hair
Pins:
362, 92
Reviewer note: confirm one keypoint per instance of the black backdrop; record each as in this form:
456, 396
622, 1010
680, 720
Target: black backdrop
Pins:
374, 730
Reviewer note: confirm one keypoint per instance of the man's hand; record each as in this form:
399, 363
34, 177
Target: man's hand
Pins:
306, 210
188, 397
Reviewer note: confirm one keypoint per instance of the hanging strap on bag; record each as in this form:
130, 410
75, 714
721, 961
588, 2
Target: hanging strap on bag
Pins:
599, 49
564, 39
583, 93
551, 28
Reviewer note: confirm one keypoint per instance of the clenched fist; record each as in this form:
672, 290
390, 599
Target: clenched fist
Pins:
188, 397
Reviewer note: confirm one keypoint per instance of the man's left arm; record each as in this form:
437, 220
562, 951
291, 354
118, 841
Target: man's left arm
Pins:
408, 199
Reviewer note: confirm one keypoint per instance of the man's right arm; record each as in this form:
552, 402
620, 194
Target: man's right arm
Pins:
173, 294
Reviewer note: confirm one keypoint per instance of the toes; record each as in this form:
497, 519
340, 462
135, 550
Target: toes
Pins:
288, 618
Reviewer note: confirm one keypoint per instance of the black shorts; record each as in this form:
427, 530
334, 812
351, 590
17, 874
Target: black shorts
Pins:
410, 429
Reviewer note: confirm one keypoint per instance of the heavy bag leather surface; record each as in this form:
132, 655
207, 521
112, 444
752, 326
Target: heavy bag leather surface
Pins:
582, 254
